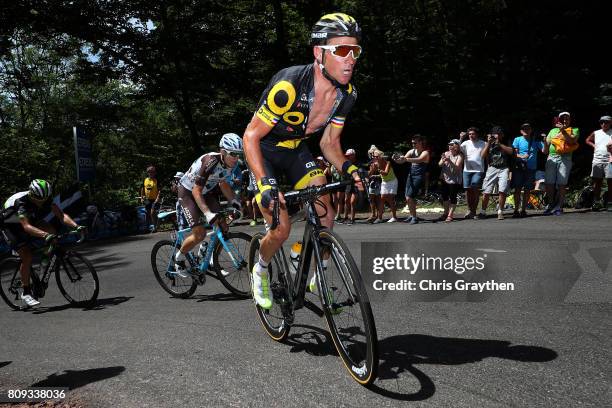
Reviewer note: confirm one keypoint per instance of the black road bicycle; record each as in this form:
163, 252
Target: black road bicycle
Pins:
75, 275
345, 302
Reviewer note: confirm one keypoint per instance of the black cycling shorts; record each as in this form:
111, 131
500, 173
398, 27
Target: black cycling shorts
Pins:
189, 208
297, 164
16, 237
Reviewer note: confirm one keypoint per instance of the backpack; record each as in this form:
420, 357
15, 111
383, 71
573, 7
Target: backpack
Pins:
586, 198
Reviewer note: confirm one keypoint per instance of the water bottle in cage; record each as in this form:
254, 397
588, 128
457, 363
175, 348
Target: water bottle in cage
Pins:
202, 250
296, 250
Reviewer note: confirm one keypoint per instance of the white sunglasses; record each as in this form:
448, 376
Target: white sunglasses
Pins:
343, 50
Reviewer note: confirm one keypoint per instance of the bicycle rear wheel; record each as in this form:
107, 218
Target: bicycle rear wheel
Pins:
232, 269
274, 320
162, 262
10, 282
347, 310
77, 279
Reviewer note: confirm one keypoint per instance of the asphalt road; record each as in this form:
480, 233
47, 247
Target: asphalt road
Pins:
141, 348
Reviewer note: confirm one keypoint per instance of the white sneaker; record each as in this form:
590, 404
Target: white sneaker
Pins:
29, 300
392, 219
261, 289
312, 286
181, 269
377, 221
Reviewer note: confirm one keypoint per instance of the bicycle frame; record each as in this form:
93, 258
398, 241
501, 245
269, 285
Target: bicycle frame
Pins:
216, 235
309, 245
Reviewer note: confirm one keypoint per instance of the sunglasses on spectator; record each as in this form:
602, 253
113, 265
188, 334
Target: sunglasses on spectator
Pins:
343, 50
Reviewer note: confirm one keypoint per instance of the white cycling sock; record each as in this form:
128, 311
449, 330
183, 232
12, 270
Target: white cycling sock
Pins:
261, 266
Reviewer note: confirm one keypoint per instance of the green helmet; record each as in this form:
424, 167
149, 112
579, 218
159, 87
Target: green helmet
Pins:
40, 189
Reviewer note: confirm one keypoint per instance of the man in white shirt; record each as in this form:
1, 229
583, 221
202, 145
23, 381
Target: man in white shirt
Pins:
473, 168
599, 141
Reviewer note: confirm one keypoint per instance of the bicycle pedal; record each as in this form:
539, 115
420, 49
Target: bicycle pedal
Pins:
200, 278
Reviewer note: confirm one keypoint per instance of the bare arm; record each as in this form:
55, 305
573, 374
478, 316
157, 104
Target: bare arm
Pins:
255, 131
387, 169
331, 147
226, 190
63, 217
32, 230
424, 157
590, 140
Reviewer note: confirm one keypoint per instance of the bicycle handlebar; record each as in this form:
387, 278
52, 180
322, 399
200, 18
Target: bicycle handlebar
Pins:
307, 194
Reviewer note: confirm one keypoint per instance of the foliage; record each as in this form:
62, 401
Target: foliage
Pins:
159, 82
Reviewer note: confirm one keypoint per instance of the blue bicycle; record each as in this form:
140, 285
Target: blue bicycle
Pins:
226, 255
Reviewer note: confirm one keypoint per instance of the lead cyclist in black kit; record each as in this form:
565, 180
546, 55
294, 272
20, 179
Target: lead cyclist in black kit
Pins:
299, 102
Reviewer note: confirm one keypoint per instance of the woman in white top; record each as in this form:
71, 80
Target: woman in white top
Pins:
451, 175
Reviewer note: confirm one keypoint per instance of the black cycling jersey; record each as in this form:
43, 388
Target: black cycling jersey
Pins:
20, 205
285, 106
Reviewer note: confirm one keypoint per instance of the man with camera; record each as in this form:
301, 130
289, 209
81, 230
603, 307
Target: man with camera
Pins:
498, 174
524, 168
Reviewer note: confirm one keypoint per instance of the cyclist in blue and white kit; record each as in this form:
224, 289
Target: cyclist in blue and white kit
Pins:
195, 193
299, 102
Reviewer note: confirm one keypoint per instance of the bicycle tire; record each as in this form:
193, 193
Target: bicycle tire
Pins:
10, 282
162, 258
235, 280
77, 279
348, 311
273, 321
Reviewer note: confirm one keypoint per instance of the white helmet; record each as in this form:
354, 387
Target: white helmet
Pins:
231, 142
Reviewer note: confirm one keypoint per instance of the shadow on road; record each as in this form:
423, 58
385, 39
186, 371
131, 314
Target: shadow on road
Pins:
400, 354
73, 379
217, 297
100, 305
4, 363
314, 341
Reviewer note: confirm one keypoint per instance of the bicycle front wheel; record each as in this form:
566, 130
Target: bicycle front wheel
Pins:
274, 321
347, 310
10, 282
162, 262
231, 267
77, 279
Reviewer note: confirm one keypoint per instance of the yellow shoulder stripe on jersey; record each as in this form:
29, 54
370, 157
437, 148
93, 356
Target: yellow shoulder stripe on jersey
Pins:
266, 116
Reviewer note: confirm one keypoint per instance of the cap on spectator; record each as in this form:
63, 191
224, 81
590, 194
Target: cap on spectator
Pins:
454, 141
563, 114
372, 148
349, 152
525, 125
606, 118
497, 130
